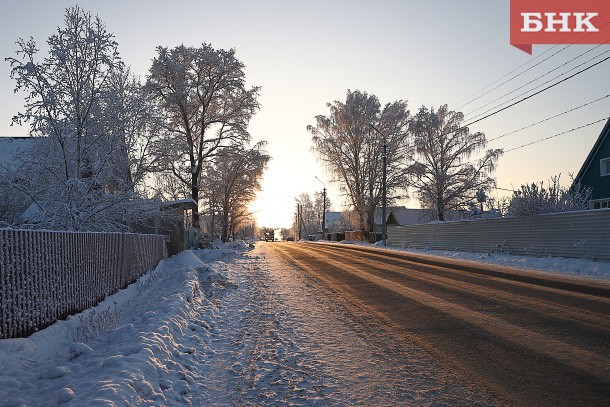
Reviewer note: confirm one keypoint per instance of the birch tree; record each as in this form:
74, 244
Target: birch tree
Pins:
352, 151
64, 88
132, 127
78, 174
206, 106
443, 174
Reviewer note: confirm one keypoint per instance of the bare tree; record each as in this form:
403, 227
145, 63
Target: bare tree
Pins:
442, 175
203, 96
233, 179
352, 152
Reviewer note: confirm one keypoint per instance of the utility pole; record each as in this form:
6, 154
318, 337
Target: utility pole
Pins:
299, 219
384, 154
323, 210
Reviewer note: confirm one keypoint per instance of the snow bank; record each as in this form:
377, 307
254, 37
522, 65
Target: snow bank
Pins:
128, 350
557, 265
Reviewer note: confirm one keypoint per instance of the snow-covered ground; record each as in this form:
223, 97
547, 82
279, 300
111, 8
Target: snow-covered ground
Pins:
229, 326
556, 265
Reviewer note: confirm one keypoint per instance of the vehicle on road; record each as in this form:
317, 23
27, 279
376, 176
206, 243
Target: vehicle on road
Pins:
269, 235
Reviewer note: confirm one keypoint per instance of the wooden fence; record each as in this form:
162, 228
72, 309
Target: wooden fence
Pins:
583, 234
46, 276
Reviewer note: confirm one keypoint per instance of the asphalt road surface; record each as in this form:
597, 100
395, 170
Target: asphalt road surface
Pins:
529, 338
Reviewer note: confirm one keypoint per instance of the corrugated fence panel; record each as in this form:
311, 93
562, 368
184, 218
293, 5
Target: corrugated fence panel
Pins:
583, 234
46, 276
452, 236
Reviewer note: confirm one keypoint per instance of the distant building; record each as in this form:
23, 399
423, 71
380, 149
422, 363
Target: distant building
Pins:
12, 202
595, 171
412, 216
334, 222
10, 150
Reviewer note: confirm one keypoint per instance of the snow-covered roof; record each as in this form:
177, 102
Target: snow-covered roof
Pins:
330, 217
184, 203
404, 215
10, 147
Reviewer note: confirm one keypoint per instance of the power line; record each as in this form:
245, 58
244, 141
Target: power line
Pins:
510, 79
548, 118
534, 94
556, 135
406, 149
409, 148
547, 138
461, 104
534, 80
504, 189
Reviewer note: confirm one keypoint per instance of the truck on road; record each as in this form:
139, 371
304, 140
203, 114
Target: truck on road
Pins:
269, 235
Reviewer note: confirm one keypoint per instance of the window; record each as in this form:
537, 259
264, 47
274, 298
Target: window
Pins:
601, 204
604, 166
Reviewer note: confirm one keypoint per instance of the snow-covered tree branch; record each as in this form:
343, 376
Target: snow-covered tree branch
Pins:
344, 142
95, 131
206, 106
442, 175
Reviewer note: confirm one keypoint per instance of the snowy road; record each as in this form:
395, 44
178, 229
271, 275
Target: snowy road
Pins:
284, 338
219, 328
240, 327
536, 339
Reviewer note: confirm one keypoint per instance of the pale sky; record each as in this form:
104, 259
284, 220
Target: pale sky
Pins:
307, 53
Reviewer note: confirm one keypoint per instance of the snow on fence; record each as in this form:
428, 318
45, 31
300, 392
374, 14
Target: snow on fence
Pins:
46, 276
583, 234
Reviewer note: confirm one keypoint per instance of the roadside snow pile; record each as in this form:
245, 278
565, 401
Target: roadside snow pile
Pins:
558, 265
137, 347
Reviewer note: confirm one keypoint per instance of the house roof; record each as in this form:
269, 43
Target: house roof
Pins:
10, 147
598, 144
187, 203
330, 217
404, 215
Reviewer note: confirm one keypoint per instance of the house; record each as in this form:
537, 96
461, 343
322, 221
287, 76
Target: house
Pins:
178, 228
595, 171
12, 202
10, 148
412, 216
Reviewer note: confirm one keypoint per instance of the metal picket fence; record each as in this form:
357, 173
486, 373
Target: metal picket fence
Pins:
46, 276
584, 234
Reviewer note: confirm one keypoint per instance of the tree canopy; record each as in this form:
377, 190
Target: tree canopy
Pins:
352, 152
205, 104
86, 109
442, 174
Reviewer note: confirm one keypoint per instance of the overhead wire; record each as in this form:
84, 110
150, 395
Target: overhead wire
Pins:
405, 149
478, 118
534, 80
461, 104
534, 94
556, 135
582, 36
549, 118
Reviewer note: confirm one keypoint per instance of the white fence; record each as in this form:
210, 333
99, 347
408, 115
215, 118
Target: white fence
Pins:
46, 276
583, 234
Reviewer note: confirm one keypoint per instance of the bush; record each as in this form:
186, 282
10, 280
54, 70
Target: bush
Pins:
536, 199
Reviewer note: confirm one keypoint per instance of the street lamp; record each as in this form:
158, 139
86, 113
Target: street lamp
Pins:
384, 234
323, 209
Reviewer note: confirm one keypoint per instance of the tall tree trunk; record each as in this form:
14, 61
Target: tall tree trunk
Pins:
440, 208
225, 226
195, 196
